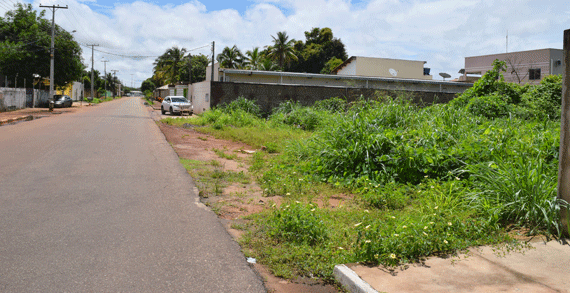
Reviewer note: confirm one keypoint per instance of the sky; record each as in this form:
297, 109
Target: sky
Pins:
131, 34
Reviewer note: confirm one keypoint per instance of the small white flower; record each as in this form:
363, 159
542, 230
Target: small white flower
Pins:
396, 235
297, 201
435, 208
448, 223
392, 217
392, 256
425, 227
445, 241
367, 227
431, 223
366, 211
457, 178
340, 248
367, 241
288, 194
356, 225
425, 233
312, 210
404, 226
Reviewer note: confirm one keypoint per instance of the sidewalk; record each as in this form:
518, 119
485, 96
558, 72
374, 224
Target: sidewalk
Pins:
545, 268
34, 113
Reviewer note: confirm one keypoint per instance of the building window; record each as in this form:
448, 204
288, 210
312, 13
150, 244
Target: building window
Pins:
207, 98
534, 74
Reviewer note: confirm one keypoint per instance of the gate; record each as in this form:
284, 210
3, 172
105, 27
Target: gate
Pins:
29, 98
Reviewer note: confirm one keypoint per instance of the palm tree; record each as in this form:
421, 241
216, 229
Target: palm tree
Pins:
282, 50
267, 64
169, 64
253, 59
230, 57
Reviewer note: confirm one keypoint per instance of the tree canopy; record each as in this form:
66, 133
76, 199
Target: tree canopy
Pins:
173, 66
25, 40
319, 48
320, 53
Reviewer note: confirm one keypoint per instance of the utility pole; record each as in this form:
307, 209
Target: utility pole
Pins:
105, 61
115, 82
51, 64
92, 61
190, 89
212, 75
564, 152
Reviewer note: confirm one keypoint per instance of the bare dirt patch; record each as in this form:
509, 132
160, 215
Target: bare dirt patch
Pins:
237, 199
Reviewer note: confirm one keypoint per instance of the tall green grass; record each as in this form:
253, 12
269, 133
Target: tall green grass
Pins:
425, 180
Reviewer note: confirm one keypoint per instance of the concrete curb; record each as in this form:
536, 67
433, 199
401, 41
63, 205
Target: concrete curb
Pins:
351, 281
10, 120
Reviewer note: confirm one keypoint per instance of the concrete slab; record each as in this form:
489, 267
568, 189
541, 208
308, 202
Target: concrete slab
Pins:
543, 268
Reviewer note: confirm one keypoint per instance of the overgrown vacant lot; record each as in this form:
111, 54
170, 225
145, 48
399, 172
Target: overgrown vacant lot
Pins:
407, 182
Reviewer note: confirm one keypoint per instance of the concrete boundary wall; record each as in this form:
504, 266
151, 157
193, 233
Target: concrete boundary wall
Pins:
12, 99
269, 96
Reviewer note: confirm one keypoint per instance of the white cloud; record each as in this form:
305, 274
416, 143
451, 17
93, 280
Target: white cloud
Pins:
440, 32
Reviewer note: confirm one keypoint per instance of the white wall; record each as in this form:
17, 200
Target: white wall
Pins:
11, 98
349, 69
201, 96
77, 92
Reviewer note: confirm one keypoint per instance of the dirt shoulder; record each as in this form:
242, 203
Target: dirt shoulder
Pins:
37, 113
233, 201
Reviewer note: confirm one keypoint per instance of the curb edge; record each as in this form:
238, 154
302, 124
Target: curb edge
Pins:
351, 281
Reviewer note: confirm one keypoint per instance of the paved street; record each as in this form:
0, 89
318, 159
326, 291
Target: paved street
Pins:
97, 201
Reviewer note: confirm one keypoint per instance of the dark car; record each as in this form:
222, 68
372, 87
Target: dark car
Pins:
61, 101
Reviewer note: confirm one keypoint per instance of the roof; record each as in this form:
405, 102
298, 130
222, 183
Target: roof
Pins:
514, 52
338, 77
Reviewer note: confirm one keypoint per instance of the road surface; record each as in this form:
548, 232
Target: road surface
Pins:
96, 201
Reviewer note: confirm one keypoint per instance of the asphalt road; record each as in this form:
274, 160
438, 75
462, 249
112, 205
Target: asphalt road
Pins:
97, 201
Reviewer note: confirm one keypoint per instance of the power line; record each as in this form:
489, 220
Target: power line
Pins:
140, 56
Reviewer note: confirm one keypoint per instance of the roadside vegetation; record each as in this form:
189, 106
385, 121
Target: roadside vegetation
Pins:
99, 101
412, 182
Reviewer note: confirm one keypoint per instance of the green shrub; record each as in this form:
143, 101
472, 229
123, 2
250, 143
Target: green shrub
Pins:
286, 107
244, 105
333, 105
298, 223
491, 106
305, 118
544, 100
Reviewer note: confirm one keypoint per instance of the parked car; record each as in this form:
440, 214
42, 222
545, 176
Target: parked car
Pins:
61, 101
176, 105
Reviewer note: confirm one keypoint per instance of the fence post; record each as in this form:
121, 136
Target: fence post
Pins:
564, 153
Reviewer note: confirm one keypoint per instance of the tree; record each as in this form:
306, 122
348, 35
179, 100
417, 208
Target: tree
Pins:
518, 72
282, 50
253, 59
331, 65
268, 65
199, 64
148, 85
169, 65
319, 48
230, 57
25, 41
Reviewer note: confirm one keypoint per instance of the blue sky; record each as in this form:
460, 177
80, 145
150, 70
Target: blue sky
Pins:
440, 32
